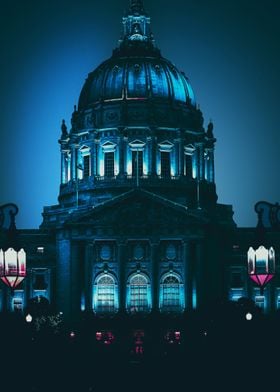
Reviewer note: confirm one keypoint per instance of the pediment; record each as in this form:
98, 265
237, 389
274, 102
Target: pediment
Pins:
138, 211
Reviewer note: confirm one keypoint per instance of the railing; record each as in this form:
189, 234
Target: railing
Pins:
124, 181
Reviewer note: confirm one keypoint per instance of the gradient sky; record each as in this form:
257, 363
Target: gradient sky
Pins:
229, 49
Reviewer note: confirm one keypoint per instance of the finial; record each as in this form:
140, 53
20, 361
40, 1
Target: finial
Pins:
12, 234
260, 218
260, 229
136, 6
210, 129
63, 128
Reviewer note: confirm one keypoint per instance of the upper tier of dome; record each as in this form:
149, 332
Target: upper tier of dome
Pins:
136, 71
136, 78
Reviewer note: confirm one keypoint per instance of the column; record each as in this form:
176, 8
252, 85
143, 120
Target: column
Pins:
198, 274
73, 163
181, 156
201, 161
196, 161
93, 160
76, 279
188, 281
155, 276
88, 282
125, 156
211, 165
122, 276
63, 275
153, 157
63, 176
121, 156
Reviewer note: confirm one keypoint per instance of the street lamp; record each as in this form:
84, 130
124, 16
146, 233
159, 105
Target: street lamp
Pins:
261, 265
261, 261
28, 318
12, 259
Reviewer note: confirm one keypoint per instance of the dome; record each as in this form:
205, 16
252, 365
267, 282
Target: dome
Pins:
136, 78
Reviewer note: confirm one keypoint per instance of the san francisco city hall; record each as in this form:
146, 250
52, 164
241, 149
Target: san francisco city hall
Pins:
137, 227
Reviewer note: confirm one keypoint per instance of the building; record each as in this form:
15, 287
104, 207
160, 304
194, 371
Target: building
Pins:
137, 227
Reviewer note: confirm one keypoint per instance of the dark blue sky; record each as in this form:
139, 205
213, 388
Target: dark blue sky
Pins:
229, 50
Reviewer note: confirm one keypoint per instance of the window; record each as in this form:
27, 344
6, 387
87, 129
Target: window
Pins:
40, 249
137, 156
138, 293
188, 165
236, 293
109, 164
165, 163
260, 301
39, 283
170, 293
236, 280
86, 165
17, 301
105, 294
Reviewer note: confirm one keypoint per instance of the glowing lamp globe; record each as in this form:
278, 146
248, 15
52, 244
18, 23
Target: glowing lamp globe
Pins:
12, 267
261, 265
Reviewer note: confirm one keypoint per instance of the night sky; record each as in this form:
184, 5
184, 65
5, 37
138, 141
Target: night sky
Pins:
229, 49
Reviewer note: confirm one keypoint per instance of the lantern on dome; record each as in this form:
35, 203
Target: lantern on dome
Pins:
261, 265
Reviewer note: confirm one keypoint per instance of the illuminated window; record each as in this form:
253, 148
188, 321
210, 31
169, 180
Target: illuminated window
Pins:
236, 293
86, 165
139, 293
165, 163
137, 156
109, 164
188, 165
40, 249
170, 293
260, 301
105, 294
17, 301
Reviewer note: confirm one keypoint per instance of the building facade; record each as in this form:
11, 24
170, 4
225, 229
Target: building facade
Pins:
137, 227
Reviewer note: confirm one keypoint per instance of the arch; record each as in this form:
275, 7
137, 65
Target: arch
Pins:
105, 293
171, 293
138, 293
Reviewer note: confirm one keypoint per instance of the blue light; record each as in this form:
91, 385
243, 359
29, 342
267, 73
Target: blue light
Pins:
194, 295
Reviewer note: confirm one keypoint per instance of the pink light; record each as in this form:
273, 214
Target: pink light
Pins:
261, 279
72, 334
98, 335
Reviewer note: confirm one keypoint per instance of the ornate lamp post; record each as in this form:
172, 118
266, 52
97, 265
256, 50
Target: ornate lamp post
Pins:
261, 265
12, 259
261, 261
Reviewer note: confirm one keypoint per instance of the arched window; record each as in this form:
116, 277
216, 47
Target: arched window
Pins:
105, 294
171, 293
139, 293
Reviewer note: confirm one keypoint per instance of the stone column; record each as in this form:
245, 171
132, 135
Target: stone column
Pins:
93, 160
198, 273
153, 156
188, 281
121, 156
76, 279
155, 276
211, 165
88, 283
122, 274
63, 169
201, 161
73, 163
63, 275
181, 157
